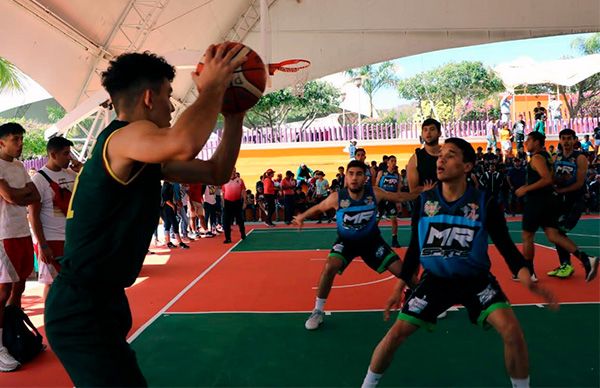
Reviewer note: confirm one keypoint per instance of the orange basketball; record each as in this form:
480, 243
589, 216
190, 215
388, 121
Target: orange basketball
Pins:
248, 82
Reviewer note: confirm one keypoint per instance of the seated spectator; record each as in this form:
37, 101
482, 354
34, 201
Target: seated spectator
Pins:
303, 174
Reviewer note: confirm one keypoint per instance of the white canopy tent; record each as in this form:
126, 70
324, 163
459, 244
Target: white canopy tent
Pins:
565, 72
64, 45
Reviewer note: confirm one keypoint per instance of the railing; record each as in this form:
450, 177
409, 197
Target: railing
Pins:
372, 132
399, 131
35, 164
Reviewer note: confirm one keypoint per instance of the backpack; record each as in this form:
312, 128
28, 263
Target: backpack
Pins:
20, 336
62, 196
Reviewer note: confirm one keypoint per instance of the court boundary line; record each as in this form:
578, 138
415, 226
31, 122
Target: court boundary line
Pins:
453, 308
149, 322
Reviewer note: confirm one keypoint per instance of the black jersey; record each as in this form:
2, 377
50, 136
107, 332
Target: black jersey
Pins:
426, 166
110, 222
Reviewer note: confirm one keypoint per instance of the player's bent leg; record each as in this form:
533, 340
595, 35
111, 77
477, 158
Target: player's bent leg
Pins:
590, 263
333, 265
515, 348
384, 352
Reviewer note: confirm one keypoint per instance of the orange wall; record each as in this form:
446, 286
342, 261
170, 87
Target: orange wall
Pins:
252, 163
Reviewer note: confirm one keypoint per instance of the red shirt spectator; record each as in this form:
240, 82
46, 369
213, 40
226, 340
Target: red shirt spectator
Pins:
195, 192
288, 184
232, 190
268, 182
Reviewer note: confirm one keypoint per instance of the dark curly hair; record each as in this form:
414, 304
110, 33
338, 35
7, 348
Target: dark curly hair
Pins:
130, 74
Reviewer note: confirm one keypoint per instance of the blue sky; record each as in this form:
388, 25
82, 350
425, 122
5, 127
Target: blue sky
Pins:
539, 49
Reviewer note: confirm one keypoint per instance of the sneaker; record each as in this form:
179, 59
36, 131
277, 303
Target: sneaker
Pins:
395, 243
227, 241
565, 271
209, 235
170, 245
554, 271
534, 278
183, 245
592, 271
318, 222
314, 321
443, 315
7, 362
219, 229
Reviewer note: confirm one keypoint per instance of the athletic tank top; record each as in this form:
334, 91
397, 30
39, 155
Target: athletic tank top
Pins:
426, 166
389, 181
110, 222
452, 238
565, 172
533, 176
357, 220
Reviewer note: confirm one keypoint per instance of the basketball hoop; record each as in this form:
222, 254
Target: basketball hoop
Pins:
296, 68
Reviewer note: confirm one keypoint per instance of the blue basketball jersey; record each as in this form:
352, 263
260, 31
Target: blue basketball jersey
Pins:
357, 219
452, 239
389, 181
565, 171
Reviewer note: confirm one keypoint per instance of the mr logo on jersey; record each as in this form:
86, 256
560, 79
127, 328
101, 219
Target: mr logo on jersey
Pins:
448, 240
359, 219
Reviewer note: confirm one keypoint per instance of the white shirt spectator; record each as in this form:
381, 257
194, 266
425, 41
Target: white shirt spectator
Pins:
53, 220
13, 218
554, 108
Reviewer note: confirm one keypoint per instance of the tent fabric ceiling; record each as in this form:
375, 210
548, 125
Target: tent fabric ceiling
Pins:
566, 72
64, 45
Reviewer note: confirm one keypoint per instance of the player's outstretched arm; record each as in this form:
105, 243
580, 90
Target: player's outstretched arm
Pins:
217, 170
331, 202
144, 141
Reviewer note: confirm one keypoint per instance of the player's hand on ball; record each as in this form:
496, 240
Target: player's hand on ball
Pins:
217, 67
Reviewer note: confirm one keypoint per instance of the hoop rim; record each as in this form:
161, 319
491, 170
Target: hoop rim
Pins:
288, 66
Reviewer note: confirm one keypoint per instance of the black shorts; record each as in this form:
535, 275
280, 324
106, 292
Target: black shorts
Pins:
375, 252
540, 212
389, 209
433, 295
571, 209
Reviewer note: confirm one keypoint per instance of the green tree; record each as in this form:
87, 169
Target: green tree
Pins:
34, 144
9, 76
272, 110
587, 90
448, 89
374, 77
55, 113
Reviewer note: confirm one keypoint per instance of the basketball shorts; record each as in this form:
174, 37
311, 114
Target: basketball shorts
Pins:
16, 259
374, 251
480, 295
540, 212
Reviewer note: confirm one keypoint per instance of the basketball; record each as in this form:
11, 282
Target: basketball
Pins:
248, 82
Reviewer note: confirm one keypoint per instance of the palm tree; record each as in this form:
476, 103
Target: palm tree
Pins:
9, 76
373, 78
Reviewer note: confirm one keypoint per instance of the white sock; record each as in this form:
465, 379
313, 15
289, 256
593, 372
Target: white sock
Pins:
520, 383
371, 379
1, 331
320, 304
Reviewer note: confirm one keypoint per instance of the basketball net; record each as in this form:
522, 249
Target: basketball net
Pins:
295, 70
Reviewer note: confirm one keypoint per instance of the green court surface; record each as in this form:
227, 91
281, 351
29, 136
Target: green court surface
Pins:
274, 349
586, 234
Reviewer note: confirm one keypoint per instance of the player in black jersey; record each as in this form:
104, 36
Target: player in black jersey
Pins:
422, 164
541, 203
115, 206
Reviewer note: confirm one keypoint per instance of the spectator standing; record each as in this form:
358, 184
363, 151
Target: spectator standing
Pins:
48, 217
210, 210
287, 186
506, 140
492, 181
516, 176
586, 144
554, 106
351, 149
505, 109
168, 214
321, 191
490, 133
519, 132
269, 187
16, 192
234, 199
